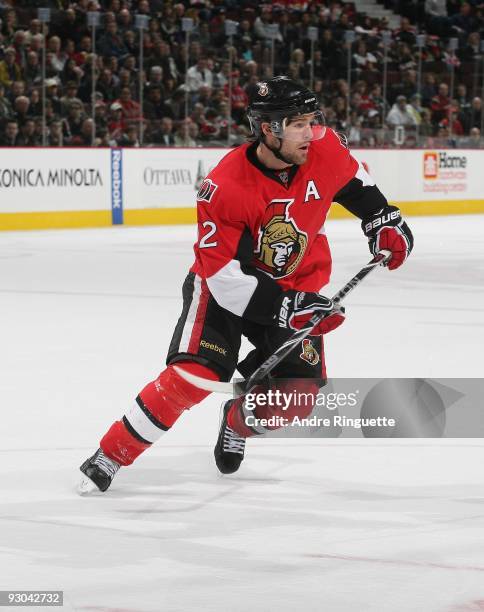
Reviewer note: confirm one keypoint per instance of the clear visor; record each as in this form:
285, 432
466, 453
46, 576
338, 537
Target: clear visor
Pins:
302, 128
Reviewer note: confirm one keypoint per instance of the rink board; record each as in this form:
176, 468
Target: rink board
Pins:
62, 188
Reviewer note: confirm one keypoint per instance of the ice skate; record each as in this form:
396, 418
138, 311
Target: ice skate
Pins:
98, 473
229, 450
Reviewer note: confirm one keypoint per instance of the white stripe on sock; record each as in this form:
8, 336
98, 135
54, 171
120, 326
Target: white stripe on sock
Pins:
142, 424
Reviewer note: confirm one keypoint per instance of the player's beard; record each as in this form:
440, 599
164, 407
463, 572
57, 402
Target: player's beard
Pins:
296, 156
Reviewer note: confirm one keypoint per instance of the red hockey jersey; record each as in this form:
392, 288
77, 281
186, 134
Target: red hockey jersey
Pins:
261, 232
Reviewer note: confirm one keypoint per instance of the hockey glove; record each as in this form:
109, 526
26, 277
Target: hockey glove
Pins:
387, 230
295, 308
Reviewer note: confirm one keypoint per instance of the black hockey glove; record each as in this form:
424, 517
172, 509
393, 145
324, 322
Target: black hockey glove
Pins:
387, 230
295, 308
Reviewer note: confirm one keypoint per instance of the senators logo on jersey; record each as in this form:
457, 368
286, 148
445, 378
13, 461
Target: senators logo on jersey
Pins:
281, 243
309, 353
206, 191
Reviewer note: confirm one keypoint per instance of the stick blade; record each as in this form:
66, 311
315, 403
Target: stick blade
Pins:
214, 386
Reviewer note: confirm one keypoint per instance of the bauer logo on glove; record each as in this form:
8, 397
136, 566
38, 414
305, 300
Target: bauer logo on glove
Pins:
383, 219
387, 230
295, 309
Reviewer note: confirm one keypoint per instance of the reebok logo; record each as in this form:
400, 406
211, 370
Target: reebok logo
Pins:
213, 347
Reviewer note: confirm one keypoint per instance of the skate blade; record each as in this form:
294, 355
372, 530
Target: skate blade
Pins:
87, 487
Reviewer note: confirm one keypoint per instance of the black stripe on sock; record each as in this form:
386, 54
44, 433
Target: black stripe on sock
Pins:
149, 416
134, 433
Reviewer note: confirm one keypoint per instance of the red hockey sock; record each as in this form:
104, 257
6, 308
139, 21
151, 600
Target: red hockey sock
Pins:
157, 408
119, 444
300, 405
170, 394
236, 420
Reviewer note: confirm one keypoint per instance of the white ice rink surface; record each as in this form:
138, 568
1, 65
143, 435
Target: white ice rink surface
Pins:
305, 525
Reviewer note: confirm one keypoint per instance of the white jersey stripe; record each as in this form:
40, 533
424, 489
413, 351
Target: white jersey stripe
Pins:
231, 288
191, 316
363, 176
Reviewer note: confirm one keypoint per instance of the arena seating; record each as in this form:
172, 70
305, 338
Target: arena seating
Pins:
418, 85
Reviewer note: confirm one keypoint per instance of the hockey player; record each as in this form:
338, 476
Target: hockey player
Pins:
261, 258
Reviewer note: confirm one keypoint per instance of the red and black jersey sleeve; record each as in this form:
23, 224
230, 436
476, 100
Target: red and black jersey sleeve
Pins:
225, 250
356, 190
362, 200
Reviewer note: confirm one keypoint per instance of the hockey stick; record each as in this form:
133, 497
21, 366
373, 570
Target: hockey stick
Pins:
240, 388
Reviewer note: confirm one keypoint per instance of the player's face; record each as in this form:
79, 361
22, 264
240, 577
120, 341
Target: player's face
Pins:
295, 147
295, 152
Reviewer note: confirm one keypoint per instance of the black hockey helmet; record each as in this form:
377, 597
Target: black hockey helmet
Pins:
279, 99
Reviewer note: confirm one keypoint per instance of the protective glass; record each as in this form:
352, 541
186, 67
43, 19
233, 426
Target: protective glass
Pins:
301, 128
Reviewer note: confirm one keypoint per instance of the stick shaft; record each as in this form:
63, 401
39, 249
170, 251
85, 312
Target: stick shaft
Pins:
280, 353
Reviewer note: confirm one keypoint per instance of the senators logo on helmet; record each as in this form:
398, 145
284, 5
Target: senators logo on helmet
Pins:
281, 244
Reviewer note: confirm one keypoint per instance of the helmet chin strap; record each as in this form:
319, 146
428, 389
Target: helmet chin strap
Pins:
277, 152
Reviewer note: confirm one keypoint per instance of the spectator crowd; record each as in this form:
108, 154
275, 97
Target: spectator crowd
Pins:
196, 94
